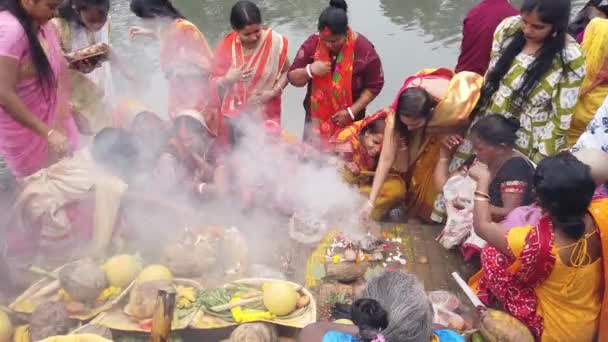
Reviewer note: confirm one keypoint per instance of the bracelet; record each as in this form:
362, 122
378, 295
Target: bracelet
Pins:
309, 71
370, 204
482, 194
444, 159
481, 199
48, 135
350, 112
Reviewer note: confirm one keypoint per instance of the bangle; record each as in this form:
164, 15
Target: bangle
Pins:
370, 204
201, 188
309, 71
350, 112
48, 135
444, 159
482, 194
481, 199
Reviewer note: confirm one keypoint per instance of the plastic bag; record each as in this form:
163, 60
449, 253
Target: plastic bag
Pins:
458, 193
444, 304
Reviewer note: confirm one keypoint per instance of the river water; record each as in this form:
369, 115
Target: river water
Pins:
408, 34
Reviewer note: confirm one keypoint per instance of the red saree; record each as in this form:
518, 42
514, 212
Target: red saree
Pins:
267, 61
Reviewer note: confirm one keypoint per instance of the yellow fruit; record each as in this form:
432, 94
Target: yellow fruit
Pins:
6, 328
121, 270
155, 273
280, 298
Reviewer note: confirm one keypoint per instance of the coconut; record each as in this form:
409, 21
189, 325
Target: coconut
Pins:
6, 328
280, 298
153, 273
189, 260
500, 326
49, 319
121, 270
142, 299
83, 280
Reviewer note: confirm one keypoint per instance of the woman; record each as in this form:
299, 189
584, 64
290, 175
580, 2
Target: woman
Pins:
342, 72
189, 163
539, 272
596, 135
82, 23
402, 296
595, 85
430, 104
535, 75
31, 65
251, 66
593, 9
358, 147
77, 199
493, 138
185, 58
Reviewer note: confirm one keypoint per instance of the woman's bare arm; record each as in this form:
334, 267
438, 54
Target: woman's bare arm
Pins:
362, 102
298, 77
510, 201
388, 155
12, 103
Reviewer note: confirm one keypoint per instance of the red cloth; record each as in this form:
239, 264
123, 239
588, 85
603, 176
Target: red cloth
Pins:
367, 68
478, 33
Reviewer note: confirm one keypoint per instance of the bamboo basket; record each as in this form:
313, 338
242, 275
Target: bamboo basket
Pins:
117, 319
47, 289
298, 319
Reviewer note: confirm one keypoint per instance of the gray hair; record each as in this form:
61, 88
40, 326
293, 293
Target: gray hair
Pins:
410, 314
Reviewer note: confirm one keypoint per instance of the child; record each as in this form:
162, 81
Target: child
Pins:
371, 318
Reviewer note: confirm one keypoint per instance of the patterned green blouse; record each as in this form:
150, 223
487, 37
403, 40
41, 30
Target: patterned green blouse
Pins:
546, 115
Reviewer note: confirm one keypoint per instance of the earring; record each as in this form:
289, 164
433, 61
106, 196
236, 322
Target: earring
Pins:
554, 34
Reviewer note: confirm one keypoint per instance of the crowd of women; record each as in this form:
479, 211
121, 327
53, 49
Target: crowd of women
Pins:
523, 132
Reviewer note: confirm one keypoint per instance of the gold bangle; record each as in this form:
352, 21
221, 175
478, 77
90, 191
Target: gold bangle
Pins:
482, 194
482, 199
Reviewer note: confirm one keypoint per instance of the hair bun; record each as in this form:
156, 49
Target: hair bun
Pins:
572, 225
339, 4
513, 122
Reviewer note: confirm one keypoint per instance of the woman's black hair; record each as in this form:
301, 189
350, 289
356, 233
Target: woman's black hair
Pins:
374, 127
114, 148
413, 103
70, 8
369, 316
192, 125
582, 18
150, 9
244, 13
46, 77
564, 187
496, 130
554, 12
334, 17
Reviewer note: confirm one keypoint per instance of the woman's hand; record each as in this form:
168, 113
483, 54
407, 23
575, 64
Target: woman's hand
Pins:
135, 31
449, 144
342, 118
237, 75
365, 214
480, 173
84, 66
262, 97
58, 143
320, 68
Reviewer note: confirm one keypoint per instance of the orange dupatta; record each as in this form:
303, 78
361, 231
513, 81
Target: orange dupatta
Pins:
332, 92
267, 61
186, 58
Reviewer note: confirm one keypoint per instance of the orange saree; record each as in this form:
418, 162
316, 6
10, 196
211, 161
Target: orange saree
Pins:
267, 61
186, 59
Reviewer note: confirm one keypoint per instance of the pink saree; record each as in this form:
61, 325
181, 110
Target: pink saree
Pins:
24, 151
